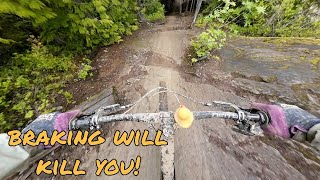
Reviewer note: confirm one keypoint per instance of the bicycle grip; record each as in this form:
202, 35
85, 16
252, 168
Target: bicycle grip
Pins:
78, 124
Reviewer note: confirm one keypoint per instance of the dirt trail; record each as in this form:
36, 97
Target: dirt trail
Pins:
209, 149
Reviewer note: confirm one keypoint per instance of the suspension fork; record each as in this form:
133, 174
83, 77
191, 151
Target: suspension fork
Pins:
167, 152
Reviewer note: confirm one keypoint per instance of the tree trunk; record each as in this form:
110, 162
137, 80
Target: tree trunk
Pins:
199, 2
187, 5
191, 6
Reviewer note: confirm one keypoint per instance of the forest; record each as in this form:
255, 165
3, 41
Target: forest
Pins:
45, 44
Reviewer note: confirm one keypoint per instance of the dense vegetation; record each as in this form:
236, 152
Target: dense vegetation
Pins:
153, 10
294, 18
39, 40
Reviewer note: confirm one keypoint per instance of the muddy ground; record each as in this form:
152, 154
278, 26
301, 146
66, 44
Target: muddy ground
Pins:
250, 70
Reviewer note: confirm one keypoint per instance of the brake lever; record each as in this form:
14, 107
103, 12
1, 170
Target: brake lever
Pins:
91, 119
105, 111
112, 109
244, 124
223, 105
250, 127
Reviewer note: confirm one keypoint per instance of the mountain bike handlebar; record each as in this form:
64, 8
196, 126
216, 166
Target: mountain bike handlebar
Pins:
95, 121
246, 121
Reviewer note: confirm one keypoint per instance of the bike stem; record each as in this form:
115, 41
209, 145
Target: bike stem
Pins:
167, 152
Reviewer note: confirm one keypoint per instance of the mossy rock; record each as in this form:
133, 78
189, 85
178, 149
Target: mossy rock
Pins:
315, 63
292, 41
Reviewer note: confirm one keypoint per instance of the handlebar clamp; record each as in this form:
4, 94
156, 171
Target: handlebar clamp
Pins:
250, 125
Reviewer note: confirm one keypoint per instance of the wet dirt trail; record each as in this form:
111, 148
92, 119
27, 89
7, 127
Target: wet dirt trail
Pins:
207, 150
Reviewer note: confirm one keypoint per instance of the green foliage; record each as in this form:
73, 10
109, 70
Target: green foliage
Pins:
6, 41
207, 41
13, 34
36, 10
86, 69
32, 77
255, 18
153, 10
264, 18
84, 26
77, 27
30, 85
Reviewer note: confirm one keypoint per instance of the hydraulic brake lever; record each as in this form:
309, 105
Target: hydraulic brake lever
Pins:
91, 120
224, 105
228, 107
244, 124
247, 128
251, 127
105, 111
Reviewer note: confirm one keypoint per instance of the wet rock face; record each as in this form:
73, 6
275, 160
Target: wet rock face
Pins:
267, 71
297, 155
285, 69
